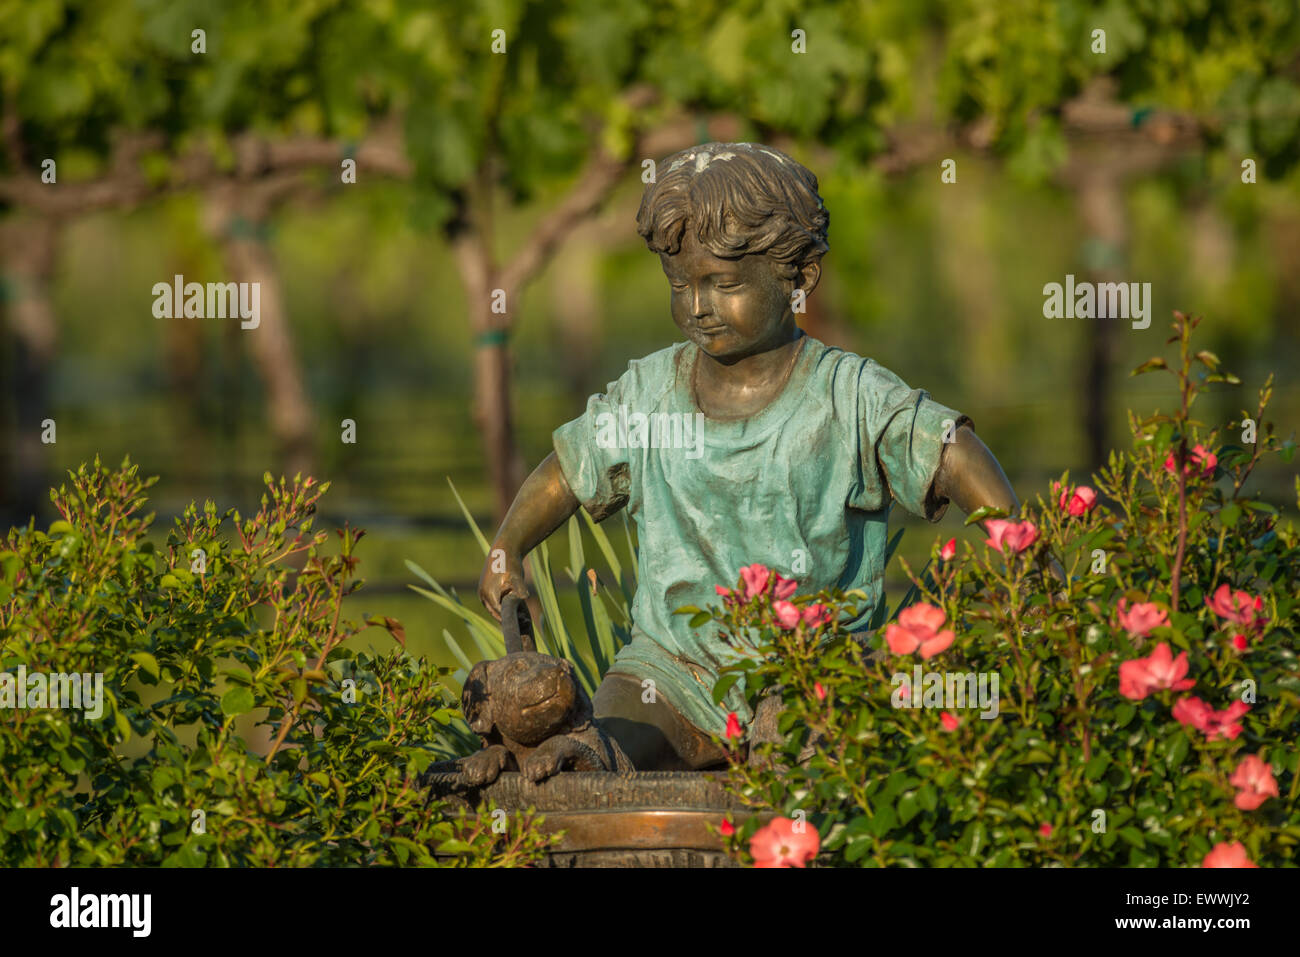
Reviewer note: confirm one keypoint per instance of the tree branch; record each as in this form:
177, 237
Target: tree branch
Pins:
124, 184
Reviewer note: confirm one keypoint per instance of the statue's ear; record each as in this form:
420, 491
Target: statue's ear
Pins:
810, 274
476, 701
582, 712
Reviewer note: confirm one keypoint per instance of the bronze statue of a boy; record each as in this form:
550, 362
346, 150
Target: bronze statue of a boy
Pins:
798, 452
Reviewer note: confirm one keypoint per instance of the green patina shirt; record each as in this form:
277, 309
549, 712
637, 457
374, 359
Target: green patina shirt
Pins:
805, 483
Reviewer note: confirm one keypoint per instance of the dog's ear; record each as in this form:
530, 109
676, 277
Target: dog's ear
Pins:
476, 699
582, 713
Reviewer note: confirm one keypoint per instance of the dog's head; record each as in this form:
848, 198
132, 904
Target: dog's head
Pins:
526, 696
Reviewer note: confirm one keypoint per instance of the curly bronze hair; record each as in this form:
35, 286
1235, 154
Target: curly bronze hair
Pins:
740, 198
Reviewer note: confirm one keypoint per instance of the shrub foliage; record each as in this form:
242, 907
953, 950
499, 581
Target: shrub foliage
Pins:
237, 728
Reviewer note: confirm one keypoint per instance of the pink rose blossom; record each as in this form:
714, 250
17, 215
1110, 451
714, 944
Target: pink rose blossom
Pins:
1205, 458
950, 722
1237, 607
1226, 723
949, 550
726, 828
787, 614
1192, 710
1215, 724
815, 616
783, 844
1254, 781
1198, 459
783, 587
1045, 829
733, 726
1239, 642
755, 579
1016, 535
1141, 618
1078, 501
1228, 855
819, 691
1141, 676
918, 628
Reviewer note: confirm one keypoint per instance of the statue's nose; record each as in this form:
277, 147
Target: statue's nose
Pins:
699, 303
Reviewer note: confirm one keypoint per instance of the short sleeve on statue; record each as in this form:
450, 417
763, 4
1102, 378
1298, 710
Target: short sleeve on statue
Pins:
595, 467
904, 433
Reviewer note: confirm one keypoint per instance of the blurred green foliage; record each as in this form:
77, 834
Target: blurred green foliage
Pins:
78, 71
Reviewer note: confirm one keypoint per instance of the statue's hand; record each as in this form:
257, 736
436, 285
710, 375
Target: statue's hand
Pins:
495, 584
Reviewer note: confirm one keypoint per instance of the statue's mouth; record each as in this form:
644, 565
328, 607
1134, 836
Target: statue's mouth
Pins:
533, 705
548, 691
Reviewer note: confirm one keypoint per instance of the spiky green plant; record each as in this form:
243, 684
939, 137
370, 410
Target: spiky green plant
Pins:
591, 643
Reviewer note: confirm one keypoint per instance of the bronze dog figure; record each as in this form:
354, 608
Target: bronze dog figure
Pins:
531, 713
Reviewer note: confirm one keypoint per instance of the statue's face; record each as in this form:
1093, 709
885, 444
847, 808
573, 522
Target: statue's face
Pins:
730, 308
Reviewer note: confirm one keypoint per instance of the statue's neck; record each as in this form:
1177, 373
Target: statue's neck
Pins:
744, 386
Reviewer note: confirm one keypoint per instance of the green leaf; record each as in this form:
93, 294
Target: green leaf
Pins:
577, 561
908, 807
604, 544
1176, 750
983, 512
1124, 714
1133, 836
723, 685
147, 662
858, 849
1150, 365
1208, 359
187, 855
10, 562
881, 822
469, 519
892, 546
928, 796
454, 846
237, 701
1096, 766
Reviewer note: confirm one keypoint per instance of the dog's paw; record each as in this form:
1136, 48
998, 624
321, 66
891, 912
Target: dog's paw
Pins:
551, 758
541, 764
484, 767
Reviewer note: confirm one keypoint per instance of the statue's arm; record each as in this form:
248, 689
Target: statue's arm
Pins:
543, 504
971, 477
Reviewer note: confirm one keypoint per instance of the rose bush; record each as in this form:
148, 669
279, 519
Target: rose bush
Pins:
236, 727
1142, 712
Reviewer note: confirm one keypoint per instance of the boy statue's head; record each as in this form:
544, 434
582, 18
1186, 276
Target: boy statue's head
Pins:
739, 227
